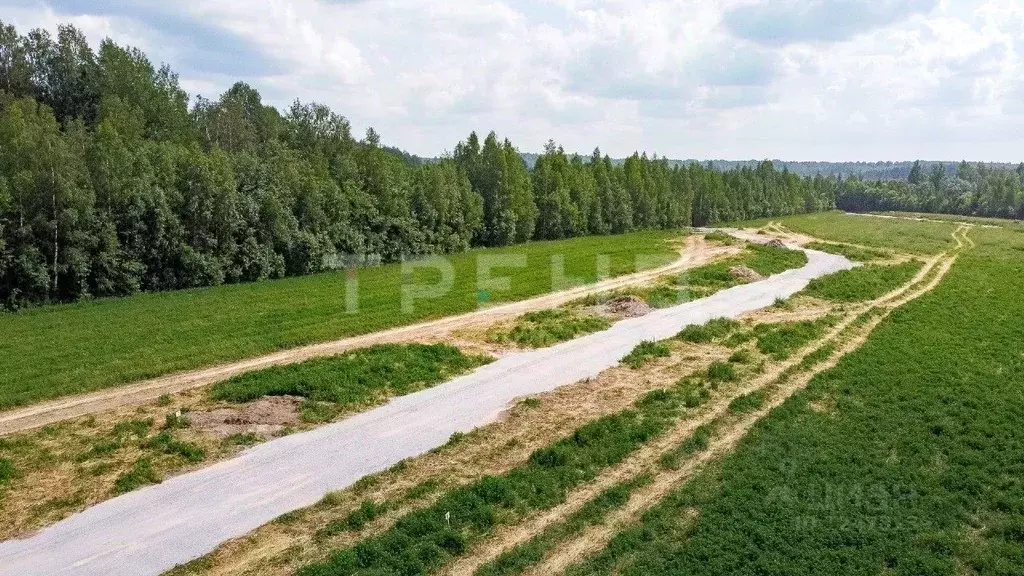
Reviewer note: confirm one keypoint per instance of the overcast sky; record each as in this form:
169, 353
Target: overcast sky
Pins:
735, 79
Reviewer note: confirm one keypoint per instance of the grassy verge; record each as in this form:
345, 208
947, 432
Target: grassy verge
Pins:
863, 283
354, 378
903, 459
547, 327
53, 351
904, 235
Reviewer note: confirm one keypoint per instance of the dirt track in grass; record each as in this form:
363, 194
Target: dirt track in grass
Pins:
694, 252
778, 384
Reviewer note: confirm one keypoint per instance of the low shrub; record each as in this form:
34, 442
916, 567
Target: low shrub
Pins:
741, 356
719, 372
705, 333
747, 402
721, 238
644, 352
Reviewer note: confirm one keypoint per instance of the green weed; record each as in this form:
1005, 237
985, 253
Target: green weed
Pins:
706, 333
862, 283
7, 470
242, 439
742, 356
426, 539
166, 443
644, 352
546, 327
719, 372
747, 402
176, 421
520, 558
420, 490
140, 475
354, 378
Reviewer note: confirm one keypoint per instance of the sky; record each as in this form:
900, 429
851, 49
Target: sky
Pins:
732, 79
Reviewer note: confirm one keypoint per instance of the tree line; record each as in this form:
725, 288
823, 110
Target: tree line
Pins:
114, 181
969, 190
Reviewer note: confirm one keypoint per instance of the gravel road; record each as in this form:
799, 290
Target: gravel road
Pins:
153, 529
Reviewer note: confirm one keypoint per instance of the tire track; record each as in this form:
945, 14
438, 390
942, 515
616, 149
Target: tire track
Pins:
848, 337
696, 252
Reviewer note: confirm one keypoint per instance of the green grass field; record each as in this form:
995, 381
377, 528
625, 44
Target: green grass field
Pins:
54, 351
862, 283
904, 459
905, 235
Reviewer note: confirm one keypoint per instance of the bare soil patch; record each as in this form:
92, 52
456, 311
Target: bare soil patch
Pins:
264, 417
627, 306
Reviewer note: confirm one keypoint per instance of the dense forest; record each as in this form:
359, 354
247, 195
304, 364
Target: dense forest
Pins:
881, 170
974, 190
113, 181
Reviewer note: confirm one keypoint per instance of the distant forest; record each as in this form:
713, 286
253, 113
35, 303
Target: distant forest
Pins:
968, 189
114, 181
881, 170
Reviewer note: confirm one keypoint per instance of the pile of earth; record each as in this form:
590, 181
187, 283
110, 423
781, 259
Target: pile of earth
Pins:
266, 417
628, 305
745, 274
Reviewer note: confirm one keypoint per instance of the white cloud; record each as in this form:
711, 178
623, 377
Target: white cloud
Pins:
686, 78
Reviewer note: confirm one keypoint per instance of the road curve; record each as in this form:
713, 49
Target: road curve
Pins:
153, 529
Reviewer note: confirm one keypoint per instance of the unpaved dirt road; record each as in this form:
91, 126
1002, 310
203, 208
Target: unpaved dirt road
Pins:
695, 252
155, 528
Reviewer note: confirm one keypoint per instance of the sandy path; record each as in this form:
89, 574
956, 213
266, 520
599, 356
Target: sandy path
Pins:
696, 252
155, 528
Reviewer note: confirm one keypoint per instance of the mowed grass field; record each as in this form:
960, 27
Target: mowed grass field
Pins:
906, 458
905, 235
54, 351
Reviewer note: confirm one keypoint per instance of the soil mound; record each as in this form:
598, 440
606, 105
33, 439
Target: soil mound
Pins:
266, 417
776, 243
745, 274
628, 305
